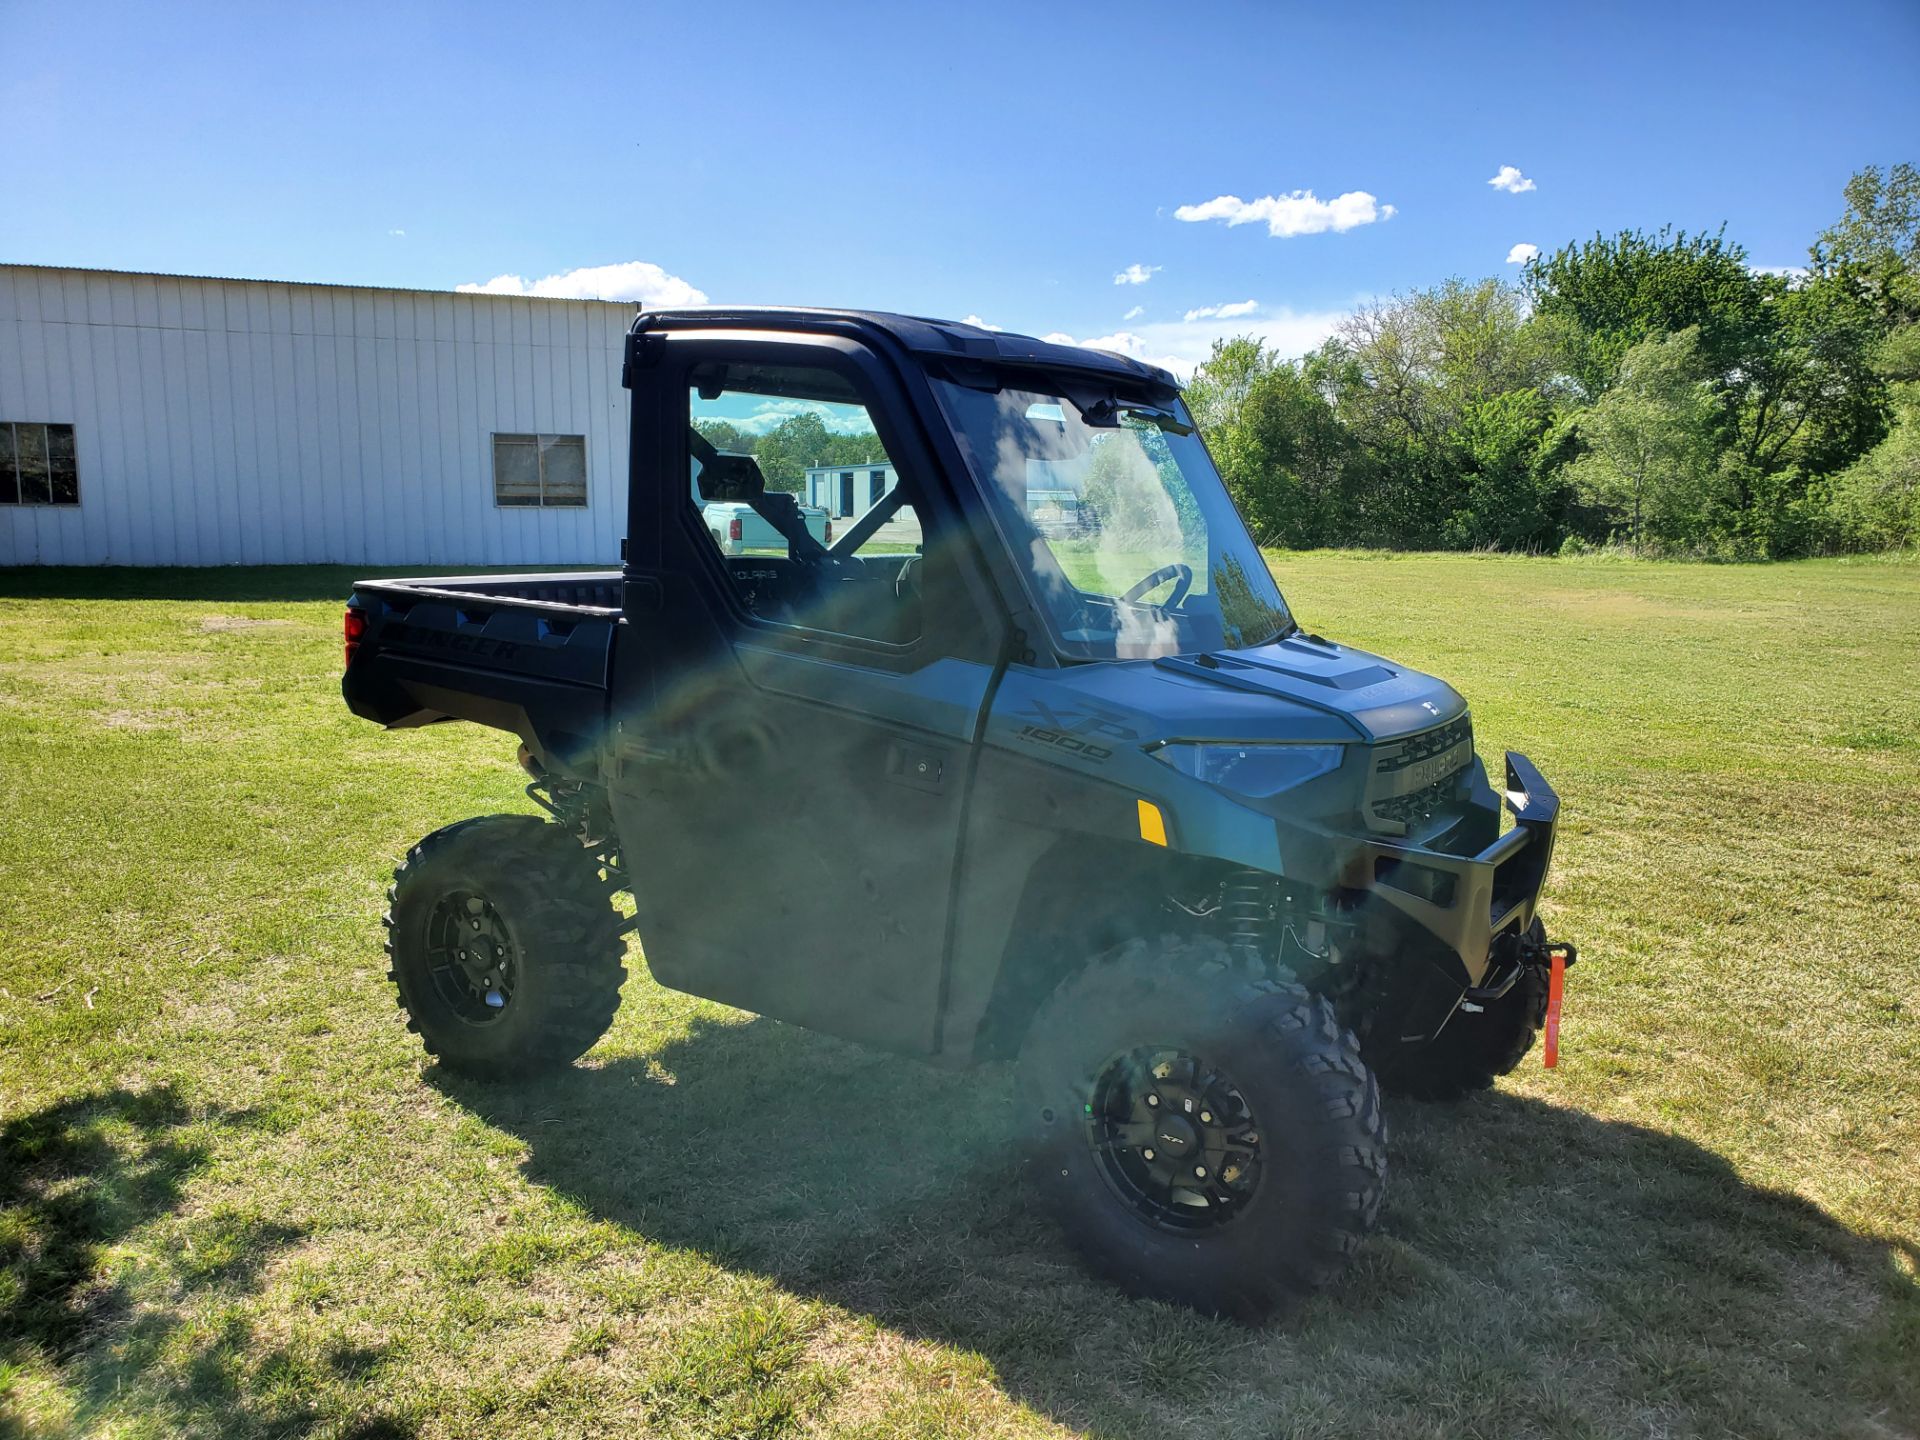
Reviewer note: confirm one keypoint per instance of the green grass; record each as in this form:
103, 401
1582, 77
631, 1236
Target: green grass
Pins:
233, 1200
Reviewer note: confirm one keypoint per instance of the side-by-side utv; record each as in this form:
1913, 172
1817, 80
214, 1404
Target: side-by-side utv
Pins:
1029, 760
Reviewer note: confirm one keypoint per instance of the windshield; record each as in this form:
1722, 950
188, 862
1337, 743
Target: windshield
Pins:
1116, 513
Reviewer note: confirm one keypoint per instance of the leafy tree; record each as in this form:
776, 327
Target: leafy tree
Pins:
1508, 452
1651, 445
1829, 401
1132, 484
1874, 247
1283, 452
1220, 384
725, 436
859, 447
1418, 382
790, 447
1651, 379
1875, 502
1786, 359
1615, 291
796, 444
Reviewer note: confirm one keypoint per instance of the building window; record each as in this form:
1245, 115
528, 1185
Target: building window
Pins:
37, 464
540, 470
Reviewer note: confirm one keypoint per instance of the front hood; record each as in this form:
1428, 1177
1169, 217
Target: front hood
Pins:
1302, 689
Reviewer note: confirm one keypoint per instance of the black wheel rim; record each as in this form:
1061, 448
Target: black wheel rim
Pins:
1175, 1139
471, 957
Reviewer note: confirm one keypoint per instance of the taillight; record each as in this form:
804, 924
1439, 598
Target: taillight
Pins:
734, 532
355, 627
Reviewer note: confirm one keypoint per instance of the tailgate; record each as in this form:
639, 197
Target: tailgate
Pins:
538, 668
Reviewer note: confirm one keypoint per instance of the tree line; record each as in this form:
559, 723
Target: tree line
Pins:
1654, 391
798, 443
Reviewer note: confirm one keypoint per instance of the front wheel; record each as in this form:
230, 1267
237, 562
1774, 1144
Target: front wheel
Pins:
1206, 1136
505, 946
1478, 1044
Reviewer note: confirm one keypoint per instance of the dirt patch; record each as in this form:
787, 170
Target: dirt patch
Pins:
1621, 604
129, 720
227, 624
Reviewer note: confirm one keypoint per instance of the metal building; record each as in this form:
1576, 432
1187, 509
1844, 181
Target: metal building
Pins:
174, 420
843, 490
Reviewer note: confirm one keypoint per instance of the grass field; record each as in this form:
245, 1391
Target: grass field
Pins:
234, 1201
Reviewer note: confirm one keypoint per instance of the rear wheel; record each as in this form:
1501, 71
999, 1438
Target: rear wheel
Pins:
505, 946
1206, 1136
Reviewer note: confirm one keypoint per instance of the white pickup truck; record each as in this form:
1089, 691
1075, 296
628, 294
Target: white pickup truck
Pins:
738, 530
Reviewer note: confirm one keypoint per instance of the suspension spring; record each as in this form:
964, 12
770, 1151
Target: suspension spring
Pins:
1246, 912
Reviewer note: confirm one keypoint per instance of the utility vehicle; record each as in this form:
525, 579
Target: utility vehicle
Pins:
1085, 797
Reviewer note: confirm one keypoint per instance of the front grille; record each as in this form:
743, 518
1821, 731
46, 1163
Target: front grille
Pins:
1417, 778
1398, 754
1403, 812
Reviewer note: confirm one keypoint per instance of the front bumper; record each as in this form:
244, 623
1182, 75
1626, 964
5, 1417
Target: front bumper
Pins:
1466, 901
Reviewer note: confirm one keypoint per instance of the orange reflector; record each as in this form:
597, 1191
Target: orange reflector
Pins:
1556, 985
1153, 825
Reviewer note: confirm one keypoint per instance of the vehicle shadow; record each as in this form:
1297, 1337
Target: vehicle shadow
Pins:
82, 1180
1523, 1245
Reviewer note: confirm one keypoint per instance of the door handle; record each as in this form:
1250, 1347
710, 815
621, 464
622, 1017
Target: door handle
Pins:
916, 766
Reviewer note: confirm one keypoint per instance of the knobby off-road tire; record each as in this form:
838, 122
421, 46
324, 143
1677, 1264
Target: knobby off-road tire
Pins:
1473, 1049
1281, 1060
525, 890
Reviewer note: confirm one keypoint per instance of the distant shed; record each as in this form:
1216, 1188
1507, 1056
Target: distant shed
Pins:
174, 420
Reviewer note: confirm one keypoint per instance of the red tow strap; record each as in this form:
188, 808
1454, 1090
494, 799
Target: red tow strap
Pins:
1556, 986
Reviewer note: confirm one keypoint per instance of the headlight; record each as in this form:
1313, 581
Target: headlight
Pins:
1255, 771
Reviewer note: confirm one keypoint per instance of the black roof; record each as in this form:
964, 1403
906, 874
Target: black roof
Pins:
949, 339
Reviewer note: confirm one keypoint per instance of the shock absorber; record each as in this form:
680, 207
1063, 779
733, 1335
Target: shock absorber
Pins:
1246, 913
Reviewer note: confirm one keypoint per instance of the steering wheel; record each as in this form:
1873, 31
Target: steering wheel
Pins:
1181, 575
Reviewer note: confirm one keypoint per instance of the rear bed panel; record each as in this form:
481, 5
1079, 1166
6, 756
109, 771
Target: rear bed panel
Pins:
519, 653
569, 589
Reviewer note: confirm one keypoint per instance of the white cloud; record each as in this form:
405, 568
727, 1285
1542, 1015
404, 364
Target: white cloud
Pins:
636, 280
1123, 341
844, 419
1793, 273
1179, 345
983, 324
1521, 253
1511, 180
1299, 213
399, 234
1224, 312
1136, 274
1135, 313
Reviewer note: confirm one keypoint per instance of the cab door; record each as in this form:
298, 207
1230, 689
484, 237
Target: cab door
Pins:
790, 788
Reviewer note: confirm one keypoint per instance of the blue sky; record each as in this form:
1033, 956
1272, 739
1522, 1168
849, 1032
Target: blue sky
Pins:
1001, 160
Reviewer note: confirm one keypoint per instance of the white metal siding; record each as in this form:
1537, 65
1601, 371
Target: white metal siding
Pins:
222, 422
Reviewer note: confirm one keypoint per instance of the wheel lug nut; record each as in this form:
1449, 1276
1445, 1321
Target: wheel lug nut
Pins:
1147, 1154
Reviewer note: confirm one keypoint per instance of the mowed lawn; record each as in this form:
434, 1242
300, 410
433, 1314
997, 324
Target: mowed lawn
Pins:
234, 1200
